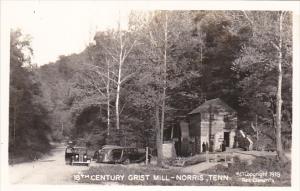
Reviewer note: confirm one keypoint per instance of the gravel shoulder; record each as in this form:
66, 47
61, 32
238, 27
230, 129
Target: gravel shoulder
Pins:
50, 169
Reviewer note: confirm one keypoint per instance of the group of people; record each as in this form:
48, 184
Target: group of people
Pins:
207, 147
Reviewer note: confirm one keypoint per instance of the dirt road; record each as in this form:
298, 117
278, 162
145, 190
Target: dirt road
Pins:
48, 170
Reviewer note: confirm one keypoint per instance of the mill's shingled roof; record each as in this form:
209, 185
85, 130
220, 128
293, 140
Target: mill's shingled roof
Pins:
213, 102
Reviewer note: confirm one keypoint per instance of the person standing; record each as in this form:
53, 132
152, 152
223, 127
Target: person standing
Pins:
224, 146
203, 147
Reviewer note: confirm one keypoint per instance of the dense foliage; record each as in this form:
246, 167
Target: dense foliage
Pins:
28, 118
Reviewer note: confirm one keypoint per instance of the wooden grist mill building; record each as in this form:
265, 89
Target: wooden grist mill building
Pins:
212, 124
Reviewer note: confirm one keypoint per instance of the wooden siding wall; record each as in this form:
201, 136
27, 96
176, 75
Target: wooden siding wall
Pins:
194, 125
220, 122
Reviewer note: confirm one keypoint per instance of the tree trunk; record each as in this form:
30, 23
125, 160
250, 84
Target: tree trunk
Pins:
117, 106
158, 137
280, 151
62, 128
201, 47
119, 80
14, 125
210, 129
257, 133
108, 99
165, 81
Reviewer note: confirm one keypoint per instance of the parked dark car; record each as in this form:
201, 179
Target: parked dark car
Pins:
77, 156
124, 155
70, 143
96, 154
69, 152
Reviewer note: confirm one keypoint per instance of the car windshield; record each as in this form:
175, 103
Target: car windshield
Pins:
103, 151
131, 150
69, 150
79, 150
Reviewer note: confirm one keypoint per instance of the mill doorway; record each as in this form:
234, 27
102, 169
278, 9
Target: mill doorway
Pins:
226, 138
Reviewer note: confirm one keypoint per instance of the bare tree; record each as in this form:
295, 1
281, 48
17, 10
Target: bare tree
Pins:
95, 81
279, 90
163, 107
123, 51
108, 97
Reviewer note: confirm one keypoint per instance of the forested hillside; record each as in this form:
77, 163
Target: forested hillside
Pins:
29, 127
127, 86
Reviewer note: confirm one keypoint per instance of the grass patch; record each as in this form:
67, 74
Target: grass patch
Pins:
268, 168
187, 161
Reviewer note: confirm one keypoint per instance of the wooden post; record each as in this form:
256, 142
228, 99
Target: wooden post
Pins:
256, 132
207, 157
147, 156
210, 128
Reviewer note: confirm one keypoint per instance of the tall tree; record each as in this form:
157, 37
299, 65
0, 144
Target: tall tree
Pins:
122, 43
165, 52
279, 49
265, 68
28, 129
159, 31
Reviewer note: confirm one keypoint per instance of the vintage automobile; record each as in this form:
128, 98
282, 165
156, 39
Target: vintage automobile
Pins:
124, 155
77, 156
96, 153
68, 154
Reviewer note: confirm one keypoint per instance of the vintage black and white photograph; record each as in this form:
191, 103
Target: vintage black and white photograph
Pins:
105, 95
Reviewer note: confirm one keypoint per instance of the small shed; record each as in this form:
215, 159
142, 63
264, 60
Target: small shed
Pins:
212, 125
